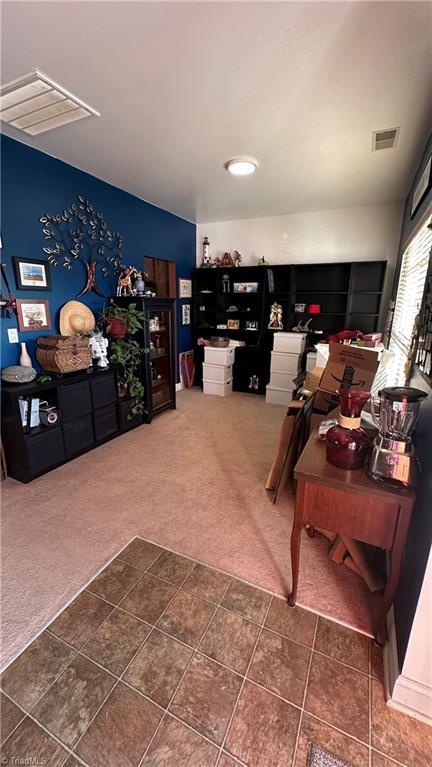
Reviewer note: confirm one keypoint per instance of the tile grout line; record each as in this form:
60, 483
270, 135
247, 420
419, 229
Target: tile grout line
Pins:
183, 676
222, 747
305, 692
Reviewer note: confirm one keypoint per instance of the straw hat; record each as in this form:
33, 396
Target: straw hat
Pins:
75, 318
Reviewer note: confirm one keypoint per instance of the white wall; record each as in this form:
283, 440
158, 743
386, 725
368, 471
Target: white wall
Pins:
410, 690
369, 232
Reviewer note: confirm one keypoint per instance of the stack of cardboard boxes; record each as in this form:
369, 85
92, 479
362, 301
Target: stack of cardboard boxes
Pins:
217, 370
347, 365
286, 363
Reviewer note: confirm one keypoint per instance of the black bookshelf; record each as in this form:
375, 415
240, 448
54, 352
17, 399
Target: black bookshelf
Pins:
349, 295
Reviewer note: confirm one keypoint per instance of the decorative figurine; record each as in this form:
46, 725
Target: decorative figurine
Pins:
226, 260
99, 348
237, 258
124, 283
275, 321
262, 262
139, 284
206, 262
303, 327
225, 283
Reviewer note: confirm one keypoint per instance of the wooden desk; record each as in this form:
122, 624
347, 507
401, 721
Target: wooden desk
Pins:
350, 503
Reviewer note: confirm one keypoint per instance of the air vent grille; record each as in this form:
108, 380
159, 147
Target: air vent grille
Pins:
35, 104
385, 139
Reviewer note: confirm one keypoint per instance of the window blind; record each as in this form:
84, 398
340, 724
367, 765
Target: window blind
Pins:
395, 363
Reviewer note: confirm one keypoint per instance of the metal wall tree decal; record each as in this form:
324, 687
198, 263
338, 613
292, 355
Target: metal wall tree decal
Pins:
81, 234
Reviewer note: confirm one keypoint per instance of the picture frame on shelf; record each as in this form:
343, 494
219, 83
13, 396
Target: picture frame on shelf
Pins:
245, 287
251, 325
233, 324
186, 314
185, 288
32, 274
33, 314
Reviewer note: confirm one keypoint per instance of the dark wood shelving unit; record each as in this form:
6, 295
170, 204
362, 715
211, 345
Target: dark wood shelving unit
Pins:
349, 294
90, 410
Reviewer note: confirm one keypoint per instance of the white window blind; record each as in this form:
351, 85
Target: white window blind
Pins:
395, 362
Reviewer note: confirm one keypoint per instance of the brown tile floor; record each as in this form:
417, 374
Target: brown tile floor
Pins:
163, 662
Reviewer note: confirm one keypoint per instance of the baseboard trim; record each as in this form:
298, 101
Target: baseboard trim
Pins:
402, 693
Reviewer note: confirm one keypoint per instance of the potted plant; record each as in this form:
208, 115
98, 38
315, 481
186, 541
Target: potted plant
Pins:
121, 320
125, 350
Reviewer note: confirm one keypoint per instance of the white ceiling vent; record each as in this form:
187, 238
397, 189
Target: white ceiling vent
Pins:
35, 104
385, 139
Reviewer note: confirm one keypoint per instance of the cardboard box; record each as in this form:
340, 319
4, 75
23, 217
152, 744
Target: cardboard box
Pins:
293, 343
324, 402
313, 379
349, 366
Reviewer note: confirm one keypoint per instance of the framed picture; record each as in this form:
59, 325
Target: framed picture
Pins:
245, 287
33, 315
185, 288
186, 320
422, 186
32, 274
233, 324
251, 324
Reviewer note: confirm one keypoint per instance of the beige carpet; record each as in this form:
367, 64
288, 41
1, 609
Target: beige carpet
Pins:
192, 481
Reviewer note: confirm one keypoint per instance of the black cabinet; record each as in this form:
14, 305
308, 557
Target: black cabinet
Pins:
90, 412
158, 342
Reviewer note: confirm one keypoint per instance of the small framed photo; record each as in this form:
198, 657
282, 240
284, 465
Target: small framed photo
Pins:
422, 187
233, 324
32, 274
251, 324
186, 316
33, 315
245, 287
185, 288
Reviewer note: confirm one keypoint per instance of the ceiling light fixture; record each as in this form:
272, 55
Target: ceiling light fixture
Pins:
241, 166
35, 104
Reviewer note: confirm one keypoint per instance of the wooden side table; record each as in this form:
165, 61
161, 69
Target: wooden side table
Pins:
349, 503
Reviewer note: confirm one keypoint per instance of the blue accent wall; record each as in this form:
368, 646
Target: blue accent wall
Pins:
33, 184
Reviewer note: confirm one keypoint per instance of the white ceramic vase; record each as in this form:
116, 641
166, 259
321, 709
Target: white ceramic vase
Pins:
25, 360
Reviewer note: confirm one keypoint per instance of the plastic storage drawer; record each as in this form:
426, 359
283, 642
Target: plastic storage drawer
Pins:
74, 400
105, 421
78, 435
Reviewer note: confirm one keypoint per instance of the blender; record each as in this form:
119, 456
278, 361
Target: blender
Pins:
395, 412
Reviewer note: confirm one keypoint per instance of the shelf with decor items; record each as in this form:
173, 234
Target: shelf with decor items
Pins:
90, 412
157, 340
348, 295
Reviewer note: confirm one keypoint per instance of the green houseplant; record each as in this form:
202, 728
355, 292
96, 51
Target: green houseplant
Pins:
126, 351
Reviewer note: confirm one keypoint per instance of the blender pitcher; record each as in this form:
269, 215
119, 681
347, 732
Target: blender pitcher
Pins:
395, 412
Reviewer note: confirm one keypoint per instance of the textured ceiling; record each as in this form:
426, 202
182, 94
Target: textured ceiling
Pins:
182, 87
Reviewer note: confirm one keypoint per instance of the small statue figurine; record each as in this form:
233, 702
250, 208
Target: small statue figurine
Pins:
262, 262
139, 284
206, 262
303, 326
275, 321
98, 347
225, 283
237, 258
124, 283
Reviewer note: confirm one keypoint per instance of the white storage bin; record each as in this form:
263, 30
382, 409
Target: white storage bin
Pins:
215, 356
275, 396
289, 342
220, 389
281, 379
217, 373
285, 362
